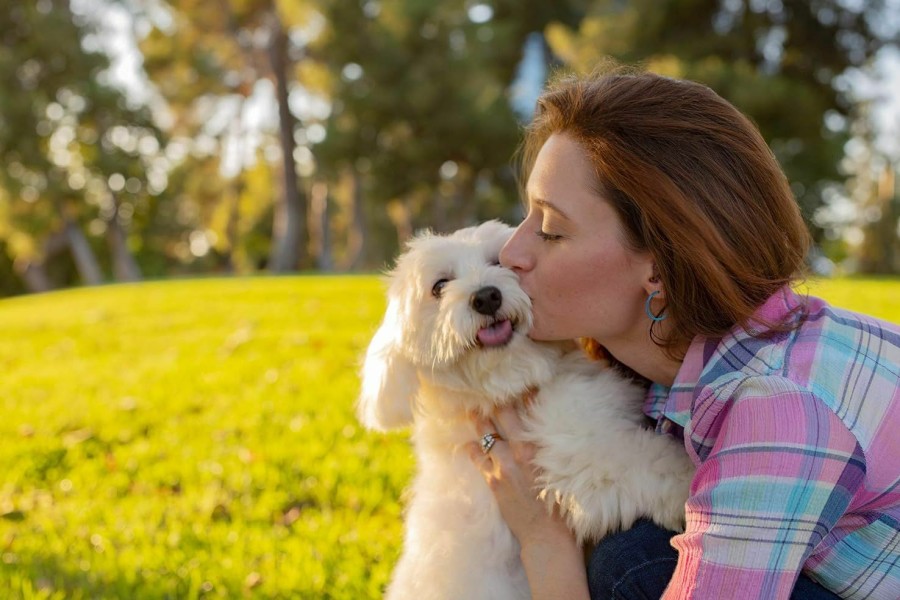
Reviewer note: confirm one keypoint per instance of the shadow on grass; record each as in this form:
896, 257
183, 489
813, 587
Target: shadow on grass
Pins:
49, 577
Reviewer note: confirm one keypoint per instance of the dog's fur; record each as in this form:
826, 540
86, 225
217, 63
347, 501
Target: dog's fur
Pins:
427, 367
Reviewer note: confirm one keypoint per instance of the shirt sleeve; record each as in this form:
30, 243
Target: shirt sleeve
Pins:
782, 471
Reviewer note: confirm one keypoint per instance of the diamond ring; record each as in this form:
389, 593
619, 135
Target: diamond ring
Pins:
488, 440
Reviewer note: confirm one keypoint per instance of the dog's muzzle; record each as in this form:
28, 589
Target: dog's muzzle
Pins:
499, 330
487, 301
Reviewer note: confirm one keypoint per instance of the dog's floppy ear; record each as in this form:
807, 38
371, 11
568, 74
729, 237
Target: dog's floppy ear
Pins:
389, 379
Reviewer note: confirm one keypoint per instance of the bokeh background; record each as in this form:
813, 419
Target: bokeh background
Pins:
189, 432
152, 138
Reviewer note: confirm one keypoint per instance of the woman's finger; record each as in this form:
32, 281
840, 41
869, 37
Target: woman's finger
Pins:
506, 424
483, 425
509, 422
479, 458
493, 464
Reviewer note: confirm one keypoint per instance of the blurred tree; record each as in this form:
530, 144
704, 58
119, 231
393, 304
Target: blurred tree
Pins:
873, 192
777, 61
421, 129
73, 153
211, 59
880, 253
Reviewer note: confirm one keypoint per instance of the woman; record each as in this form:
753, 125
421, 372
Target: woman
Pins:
661, 228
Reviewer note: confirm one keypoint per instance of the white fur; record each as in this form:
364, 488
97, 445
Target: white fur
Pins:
424, 367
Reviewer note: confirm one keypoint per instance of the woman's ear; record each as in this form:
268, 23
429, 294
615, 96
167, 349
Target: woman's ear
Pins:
652, 281
389, 379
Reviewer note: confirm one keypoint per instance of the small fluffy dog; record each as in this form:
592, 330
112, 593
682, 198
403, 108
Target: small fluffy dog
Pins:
453, 341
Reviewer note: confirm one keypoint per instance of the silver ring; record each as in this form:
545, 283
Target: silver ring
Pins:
488, 440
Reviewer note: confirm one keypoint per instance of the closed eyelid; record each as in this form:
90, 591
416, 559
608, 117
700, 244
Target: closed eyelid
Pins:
549, 207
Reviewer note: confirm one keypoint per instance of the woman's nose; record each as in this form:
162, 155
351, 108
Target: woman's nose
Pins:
514, 254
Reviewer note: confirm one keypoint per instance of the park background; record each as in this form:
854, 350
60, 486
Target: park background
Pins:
188, 431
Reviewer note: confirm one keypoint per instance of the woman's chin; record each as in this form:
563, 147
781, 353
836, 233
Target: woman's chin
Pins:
537, 335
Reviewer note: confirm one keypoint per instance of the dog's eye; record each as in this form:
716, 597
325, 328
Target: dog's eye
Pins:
438, 288
494, 262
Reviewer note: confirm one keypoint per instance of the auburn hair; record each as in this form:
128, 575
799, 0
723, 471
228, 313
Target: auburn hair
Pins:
693, 182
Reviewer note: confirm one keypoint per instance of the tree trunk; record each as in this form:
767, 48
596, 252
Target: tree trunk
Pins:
288, 228
453, 203
320, 230
236, 189
232, 228
463, 213
356, 231
401, 216
34, 275
82, 254
437, 208
125, 267
33, 271
879, 253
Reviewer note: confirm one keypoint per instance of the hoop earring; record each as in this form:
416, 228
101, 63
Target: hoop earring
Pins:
654, 318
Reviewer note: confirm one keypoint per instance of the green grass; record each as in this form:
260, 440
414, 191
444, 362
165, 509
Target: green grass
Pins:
196, 439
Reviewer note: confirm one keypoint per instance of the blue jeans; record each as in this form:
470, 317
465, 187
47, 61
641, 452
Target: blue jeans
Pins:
639, 563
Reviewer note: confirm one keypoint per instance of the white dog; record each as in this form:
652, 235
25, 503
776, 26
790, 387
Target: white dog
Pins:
453, 341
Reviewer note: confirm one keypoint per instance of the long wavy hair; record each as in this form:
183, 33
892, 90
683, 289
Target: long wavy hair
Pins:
694, 183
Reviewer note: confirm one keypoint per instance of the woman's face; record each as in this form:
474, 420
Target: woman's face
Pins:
571, 256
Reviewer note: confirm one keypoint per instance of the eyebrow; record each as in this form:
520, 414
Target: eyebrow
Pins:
549, 206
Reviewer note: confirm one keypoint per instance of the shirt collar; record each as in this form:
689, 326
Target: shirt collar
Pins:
676, 401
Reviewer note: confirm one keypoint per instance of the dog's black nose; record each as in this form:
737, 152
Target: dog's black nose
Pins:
487, 300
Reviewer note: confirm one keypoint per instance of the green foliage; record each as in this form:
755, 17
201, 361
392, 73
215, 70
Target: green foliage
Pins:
776, 61
207, 63
73, 151
428, 86
404, 118
196, 439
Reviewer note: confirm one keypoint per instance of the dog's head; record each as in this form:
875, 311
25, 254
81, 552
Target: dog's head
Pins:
454, 316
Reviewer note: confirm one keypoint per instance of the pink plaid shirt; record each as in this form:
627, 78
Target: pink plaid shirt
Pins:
797, 442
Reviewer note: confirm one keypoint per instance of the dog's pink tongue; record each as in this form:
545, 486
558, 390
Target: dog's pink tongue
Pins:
496, 335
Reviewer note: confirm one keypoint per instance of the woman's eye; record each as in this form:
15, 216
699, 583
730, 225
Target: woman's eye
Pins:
438, 287
548, 237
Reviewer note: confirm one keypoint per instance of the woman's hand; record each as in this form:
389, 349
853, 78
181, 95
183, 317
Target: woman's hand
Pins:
509, 472
553, 562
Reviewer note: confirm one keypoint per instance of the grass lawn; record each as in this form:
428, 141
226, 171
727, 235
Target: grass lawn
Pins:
192, 439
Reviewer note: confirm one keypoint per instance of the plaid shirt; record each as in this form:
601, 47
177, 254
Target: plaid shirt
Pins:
797, 442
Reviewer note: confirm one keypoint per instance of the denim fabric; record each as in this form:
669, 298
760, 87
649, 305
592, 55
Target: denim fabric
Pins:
637, 565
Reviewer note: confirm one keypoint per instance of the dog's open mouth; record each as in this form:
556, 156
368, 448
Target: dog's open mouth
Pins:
495, 335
